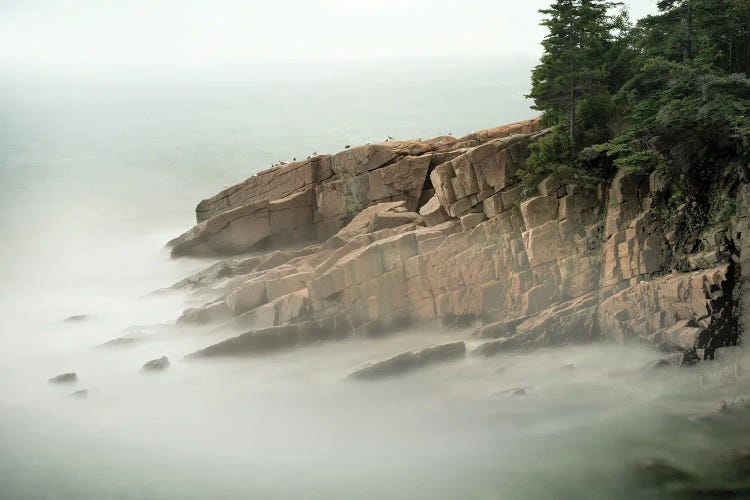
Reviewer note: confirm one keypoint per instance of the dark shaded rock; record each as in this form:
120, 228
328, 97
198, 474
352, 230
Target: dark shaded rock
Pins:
499, 329
80, 394
279, 338
658, 472
410, 361
76, 318
157, 364
519, 392
690, 358
570, 367
672, 361
452, 321
64, 378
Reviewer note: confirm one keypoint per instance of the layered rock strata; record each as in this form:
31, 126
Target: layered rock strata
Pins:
443, 230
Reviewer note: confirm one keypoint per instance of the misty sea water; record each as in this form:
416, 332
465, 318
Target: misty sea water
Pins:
99, 170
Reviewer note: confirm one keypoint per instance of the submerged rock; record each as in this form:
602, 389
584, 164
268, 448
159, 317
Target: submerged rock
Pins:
64, 378
658, 472
120, 341
76, 318
80, 394
157, 364
410, 361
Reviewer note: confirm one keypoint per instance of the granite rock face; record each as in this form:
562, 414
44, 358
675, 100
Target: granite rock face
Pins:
312, 199
442, 230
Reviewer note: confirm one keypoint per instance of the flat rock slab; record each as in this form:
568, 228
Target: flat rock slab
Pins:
410, 361
279, 338
64, 378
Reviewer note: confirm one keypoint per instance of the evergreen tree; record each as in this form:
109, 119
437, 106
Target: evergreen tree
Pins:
572, 83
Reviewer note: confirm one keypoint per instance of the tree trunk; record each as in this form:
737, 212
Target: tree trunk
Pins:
689, 42
572, 121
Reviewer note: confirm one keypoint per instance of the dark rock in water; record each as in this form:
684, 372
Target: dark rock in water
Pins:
279, 338
499, 329
76, 318
690, 357
64, 378
157, 364
410, 361
80, 394
658, 472
671, 361
519, 392
452, 321
570, 367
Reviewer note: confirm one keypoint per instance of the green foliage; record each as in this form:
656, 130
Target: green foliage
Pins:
670, 94
585, 57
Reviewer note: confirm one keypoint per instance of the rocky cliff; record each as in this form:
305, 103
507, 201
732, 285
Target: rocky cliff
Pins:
380, 236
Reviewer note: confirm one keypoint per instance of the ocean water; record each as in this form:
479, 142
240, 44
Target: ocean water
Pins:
99, 170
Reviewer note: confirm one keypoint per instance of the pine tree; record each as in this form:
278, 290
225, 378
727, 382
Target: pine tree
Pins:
573, 63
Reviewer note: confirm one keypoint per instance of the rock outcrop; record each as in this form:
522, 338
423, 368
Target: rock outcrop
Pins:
314, 198
410, 361
442, 230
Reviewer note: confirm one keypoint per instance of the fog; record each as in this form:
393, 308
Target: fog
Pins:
116, 118
162, 33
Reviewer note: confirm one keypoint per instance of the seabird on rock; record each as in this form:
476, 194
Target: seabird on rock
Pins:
347, 146
391, 138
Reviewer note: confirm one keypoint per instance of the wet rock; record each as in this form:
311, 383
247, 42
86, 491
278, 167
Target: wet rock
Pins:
80, 394
279, 338
410, 361
157, 364
690, 358
519, 392
658, 472
64, 378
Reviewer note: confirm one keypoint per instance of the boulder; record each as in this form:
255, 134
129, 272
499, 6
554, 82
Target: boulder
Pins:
433, 213
410, 361
471, 220
538, 210
387, 220
157, 364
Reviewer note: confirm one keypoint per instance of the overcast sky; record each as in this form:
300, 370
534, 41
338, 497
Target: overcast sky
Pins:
183, 33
